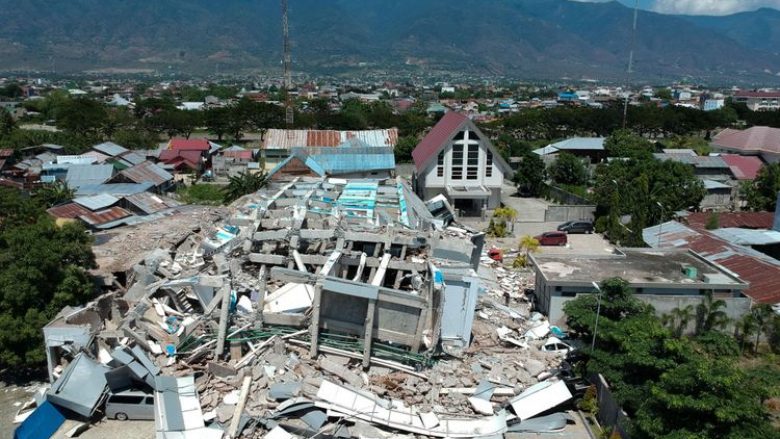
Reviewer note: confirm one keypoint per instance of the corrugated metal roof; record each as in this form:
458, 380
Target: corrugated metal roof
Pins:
289, 139
581, 144
745, 220
147, 172
747, 236
150, 203
709, 162
75, 159
764, 139
743, 167
434, 141
712, 185
110, 149
96, 202
116, 189
189, 145
759, 270
73, 210
81, 175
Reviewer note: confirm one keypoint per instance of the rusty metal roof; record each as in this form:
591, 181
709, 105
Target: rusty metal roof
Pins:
73, 210
147, 172
288, 139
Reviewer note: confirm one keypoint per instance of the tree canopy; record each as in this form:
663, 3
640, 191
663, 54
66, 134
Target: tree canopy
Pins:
761, 194
567, 169
42, 269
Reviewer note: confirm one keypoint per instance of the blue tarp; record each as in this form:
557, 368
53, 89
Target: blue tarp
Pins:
41, 424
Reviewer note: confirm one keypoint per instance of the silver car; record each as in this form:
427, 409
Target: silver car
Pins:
131, 404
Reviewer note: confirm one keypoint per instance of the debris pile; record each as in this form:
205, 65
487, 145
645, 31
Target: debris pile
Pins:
318, 307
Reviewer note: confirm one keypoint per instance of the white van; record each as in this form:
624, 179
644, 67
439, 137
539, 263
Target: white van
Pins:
130, 404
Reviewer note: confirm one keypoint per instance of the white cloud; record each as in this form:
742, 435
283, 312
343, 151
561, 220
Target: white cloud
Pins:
711, 7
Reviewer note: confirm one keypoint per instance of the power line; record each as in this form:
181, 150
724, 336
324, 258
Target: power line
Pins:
289, 113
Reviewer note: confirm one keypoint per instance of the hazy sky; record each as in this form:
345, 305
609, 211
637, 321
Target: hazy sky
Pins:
701, 7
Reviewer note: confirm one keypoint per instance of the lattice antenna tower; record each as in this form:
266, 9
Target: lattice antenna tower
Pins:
630, 64
288, 105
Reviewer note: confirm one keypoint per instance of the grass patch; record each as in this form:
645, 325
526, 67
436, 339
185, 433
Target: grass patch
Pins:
208, 194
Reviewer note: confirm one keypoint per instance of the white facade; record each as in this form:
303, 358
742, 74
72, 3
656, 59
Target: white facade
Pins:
465, 169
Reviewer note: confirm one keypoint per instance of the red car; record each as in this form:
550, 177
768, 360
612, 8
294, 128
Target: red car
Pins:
552, 238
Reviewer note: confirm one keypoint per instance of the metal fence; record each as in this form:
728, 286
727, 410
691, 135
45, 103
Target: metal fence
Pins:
610, 414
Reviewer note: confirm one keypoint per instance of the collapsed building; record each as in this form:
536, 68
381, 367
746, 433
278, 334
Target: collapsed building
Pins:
314, 292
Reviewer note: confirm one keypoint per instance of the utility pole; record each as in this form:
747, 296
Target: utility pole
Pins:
630, 64
289, 113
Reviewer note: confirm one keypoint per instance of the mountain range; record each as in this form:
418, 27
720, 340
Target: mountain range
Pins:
521, 38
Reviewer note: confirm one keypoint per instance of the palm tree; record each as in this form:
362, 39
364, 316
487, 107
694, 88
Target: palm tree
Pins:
244, 183
762, 315
678, 319
528, 244
55, 194
710, 314
745, 327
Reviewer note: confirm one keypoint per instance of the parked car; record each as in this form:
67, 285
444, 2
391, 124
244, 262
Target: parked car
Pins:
130, 404
576, 227
552, 238
554, 344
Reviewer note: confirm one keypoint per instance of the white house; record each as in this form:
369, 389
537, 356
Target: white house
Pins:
455, 159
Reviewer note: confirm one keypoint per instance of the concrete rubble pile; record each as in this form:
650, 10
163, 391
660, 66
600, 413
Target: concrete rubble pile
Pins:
319, 307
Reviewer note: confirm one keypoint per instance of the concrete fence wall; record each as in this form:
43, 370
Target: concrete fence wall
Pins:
610, 413
563, 213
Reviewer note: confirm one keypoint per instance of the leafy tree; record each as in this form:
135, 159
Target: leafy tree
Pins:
11, 90
624, 143
54, 194
206, 194
663, 93
701, 146
7, 122
403, 149
42, 269
761, 194
568, 170
82, 116
531, 174
244, 183
217, 121
763, 315
703, 397
744, 329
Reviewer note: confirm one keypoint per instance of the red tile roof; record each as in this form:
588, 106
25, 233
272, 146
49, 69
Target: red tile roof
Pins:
743, 167
757, 94
437, 138
754, 139
189, 144
743, 220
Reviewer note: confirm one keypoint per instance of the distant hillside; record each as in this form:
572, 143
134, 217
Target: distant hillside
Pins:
758, 29
538, 38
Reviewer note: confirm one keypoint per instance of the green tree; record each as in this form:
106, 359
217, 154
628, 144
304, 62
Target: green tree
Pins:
567, 169
54, 194
81, 116
244, 183
42, 269
744, 329
763, 315
531, 174
663, 93
761, 194
624, 143
403, 149
710, 314
7, 122
528, 244
678, 319
703, 398
217, 121
713, 222
701, 146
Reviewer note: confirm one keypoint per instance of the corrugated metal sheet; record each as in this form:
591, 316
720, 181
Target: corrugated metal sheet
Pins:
73, 210
110, 149
760, 271
147, 172
748, 236
189, 145
747, 220
116, 189
581, 144
696, 161
149, 203
289, 139
80, 175
96, 202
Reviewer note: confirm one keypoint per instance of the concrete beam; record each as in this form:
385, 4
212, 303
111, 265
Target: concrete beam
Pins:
261, 258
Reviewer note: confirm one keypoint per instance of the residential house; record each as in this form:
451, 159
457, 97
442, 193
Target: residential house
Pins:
180, 161
760, 141
743, 167
146, 172
119, 156
590, 147
84, 175
353, 159
758, 100
714, 173
278, 144
665, 278
457, 160
746, 246
232, 161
